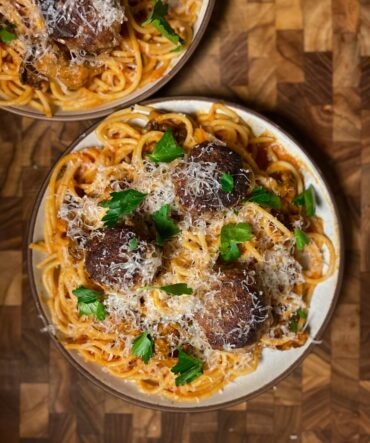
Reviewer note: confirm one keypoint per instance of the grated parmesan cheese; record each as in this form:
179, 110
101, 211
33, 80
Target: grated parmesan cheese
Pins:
156, 181
82, 215
280, 272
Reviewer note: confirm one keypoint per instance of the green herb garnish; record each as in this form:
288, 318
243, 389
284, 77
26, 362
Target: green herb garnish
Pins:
176, 289
301, 239
121, 204
166, 150
265, 198
293, 326
189, 376
227, 182
188, 367
165, 226
231, 235
308, 200
157, 18
299, 314
6, 36
302, 314
89, 302
133, 244
143, 347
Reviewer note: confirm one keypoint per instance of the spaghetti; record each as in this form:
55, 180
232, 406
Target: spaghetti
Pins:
72, 80
82, 180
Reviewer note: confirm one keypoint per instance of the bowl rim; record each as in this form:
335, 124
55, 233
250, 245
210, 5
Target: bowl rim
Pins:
91, 114
141, 403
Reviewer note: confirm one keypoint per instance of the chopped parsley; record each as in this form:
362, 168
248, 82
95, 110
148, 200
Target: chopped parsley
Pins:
121, 204
89, 302
165, 226
143, 347
265, 198
133, 244
7, 36
157, 18
166, 150
302, 314
293, 326
301, 239
227, 182
297, 316
177, 289
231, 235
308, 200
188, 367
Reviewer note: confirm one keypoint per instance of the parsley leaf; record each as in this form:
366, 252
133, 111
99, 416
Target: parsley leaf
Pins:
121, 204
301, 239
188, 367
158, 20
166, 150
95, 308
133, 244
177, 289
299, 200
299, 314
302, 313
189, 376
308, 200
89, 302
185, 362
227, 182
231, 235
265, 198
143, 347
293, 326
165, 226
6, 36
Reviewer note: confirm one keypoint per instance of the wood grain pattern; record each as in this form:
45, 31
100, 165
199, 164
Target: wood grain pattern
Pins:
306, 65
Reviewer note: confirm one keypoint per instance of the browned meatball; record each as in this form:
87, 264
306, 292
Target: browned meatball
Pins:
236, 313
84, 25
197, 180
116, 261
52, 64
29, 75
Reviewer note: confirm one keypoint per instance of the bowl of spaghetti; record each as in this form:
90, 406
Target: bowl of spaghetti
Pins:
81, 59
185, 254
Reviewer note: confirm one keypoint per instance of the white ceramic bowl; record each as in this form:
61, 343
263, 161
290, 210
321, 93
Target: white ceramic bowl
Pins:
140, 94
274, 364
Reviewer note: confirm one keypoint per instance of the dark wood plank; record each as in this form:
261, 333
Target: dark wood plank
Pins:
231, 427
118, 428
173, 427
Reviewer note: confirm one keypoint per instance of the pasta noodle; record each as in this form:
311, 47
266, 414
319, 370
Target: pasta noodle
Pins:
142, 57
84, 178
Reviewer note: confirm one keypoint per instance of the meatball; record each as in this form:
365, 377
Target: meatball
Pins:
236, 313
197, 180
118, 258
44, 64
29, 75
86, 25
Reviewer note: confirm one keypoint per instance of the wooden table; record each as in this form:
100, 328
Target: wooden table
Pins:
306, 65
